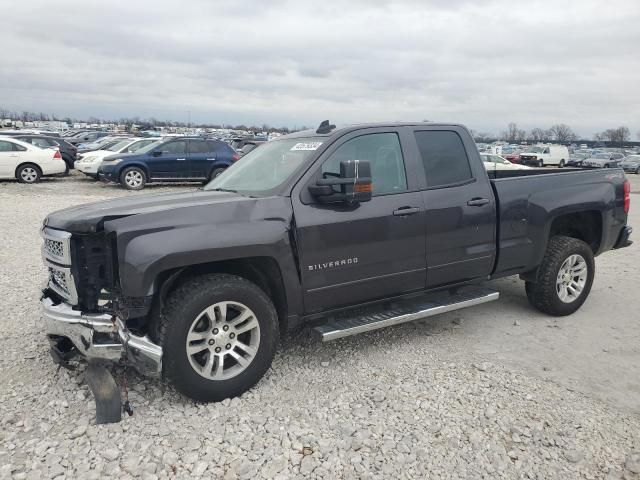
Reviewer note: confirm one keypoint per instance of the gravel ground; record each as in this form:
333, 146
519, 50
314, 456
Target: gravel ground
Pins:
414, 401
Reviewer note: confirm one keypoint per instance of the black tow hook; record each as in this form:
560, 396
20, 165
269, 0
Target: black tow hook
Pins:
106, 394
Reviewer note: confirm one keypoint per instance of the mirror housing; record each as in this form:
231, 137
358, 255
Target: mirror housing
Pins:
354, 184
156, 153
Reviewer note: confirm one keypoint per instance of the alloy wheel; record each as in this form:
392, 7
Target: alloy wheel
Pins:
572, 277
223, 340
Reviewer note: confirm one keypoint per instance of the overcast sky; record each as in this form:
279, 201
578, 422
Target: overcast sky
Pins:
481, 63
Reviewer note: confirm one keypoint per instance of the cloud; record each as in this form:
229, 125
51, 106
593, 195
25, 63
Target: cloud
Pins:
482, 63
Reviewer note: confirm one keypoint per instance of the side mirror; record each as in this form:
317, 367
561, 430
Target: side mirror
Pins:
351, 187
156, 153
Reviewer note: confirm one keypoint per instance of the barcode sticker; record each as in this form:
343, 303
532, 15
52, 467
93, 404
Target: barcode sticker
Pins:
306, 146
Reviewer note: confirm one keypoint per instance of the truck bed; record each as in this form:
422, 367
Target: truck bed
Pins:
528, 201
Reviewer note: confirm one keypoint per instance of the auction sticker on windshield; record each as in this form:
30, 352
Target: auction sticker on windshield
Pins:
306, 146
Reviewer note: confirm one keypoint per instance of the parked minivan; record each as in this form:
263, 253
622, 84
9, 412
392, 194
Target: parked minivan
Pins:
542, 155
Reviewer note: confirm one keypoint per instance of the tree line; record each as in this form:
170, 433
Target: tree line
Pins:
561, 133
144, 123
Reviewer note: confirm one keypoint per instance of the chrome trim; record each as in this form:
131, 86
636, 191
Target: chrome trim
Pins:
72, 294
80, 328
57, 236
352, 326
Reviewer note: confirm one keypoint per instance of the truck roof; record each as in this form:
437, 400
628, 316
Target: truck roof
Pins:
339, 131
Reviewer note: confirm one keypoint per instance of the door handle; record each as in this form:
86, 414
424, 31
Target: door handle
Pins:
477, 202
180, 159
401, 212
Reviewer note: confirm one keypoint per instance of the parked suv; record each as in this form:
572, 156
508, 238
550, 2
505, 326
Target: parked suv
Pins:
181, 159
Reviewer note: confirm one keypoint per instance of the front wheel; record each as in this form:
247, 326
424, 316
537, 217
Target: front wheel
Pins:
564, 277
219, 335
541, 163
638, 171
133, 178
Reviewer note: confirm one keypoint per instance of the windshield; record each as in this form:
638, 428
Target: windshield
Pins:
632, 158
266, 168
118, 146
602, 155
150, 147
537, 150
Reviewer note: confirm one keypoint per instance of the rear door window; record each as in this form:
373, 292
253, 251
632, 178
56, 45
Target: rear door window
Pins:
444, 158
198, 146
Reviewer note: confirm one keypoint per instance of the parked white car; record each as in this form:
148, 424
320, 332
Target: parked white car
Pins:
91, 161
496, 162
28, 163
542, 155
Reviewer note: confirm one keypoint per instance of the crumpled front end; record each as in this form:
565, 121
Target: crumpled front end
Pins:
75, 333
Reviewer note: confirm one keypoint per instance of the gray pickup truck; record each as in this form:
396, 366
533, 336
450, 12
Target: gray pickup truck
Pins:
349, 229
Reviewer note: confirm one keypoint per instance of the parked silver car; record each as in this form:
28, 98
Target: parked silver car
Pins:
603, 160
631, 164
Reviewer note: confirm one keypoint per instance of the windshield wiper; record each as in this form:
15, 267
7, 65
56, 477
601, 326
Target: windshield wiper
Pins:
225, 190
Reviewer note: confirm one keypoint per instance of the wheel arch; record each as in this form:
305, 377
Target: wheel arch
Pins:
140, 165
264, 271
24, 164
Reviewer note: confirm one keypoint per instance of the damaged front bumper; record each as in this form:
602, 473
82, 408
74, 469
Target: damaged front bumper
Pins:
100, 337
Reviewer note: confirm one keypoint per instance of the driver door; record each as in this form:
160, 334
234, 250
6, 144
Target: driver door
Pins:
372, 250
169, 161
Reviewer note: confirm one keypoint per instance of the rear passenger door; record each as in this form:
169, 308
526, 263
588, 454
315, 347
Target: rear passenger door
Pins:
169, 161
200, 158
460, 219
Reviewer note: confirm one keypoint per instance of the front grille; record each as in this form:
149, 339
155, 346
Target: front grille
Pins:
54, 247
59, 279
57, 246
56, 251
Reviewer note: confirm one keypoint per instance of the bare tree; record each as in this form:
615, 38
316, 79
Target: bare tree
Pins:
513, 133
615, 135
562, 133
536, 135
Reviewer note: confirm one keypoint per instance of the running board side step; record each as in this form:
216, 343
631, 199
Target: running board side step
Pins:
407, 311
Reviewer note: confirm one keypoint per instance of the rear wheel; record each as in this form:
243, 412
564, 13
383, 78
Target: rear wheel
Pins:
216, 172
561, 164
638, 171
564, 277
28, 173
219, 335
133, 178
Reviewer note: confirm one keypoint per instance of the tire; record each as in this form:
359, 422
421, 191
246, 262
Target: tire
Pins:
638, 171
541, 163
28, 173
215, 172
545, 293
185, 313
561, 164
133, 178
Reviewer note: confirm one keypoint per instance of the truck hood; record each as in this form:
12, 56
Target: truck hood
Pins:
90, 217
